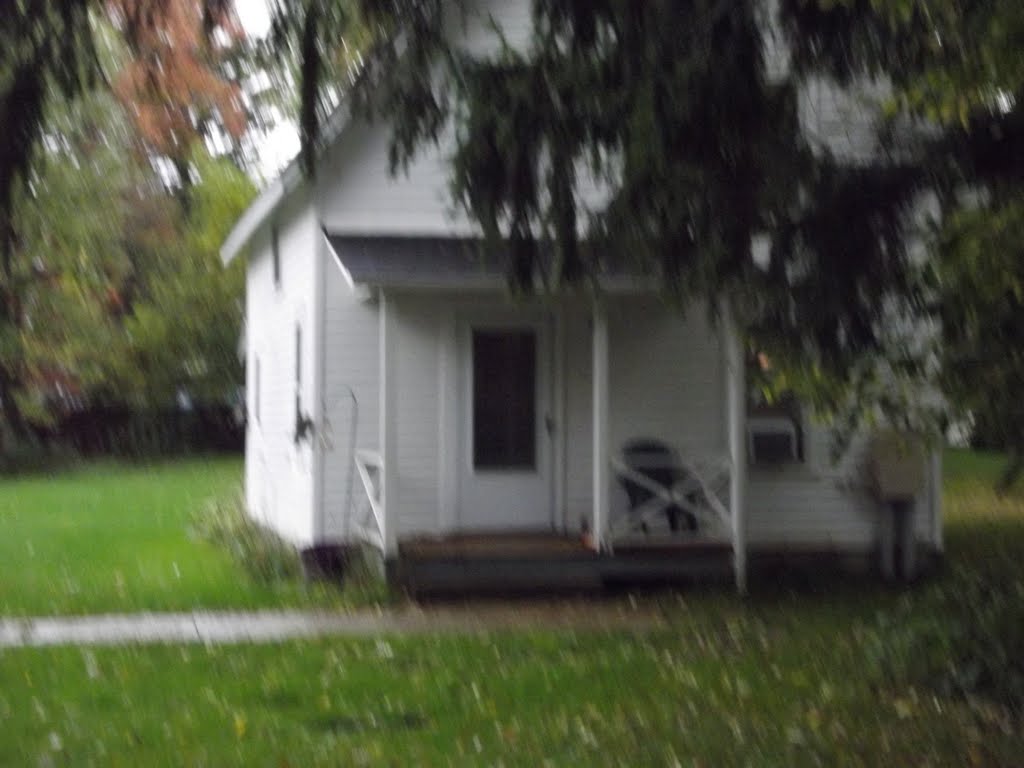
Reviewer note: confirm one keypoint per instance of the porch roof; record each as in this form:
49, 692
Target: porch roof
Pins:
443, 263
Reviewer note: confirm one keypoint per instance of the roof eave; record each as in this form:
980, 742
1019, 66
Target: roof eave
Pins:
271, 198
261, 209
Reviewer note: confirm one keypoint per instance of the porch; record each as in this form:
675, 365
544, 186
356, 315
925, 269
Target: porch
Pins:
564, 544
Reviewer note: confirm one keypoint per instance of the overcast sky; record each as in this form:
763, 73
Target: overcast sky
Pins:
280, 145
255, 16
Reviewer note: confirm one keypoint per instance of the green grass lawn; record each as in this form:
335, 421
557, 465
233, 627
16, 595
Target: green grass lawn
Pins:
790, 676
114, 537
722, 689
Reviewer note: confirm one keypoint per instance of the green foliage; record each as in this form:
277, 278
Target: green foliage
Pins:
125, 297
982, 281
44, 45
949, 61
672, 109
271, 561
364, 582
968, 644
960, 635
264, 555
956, 70
75, 252
76, 194
183, 332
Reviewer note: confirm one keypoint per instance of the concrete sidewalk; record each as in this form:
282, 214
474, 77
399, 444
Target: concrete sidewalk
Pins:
224, 627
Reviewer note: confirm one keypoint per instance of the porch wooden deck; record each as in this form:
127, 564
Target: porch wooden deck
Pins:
547, 561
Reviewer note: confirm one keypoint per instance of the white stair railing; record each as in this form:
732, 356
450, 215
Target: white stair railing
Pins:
705, 480
369, 525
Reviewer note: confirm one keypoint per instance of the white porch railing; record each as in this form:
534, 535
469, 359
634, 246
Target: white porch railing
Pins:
699, 491
368, 522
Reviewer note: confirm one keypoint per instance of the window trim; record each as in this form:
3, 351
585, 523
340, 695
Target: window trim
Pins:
529, 463
780, 414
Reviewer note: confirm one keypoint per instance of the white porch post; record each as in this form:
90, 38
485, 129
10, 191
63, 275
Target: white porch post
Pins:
600, 426
560, 513
935, 488
736, 408
388, 434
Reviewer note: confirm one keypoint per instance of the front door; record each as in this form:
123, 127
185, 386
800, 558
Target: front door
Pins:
505, 446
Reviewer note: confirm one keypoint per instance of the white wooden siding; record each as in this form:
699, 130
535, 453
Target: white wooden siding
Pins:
351, 368
279, 474
842, 120
666, 382
666, 376
477, 33
420, 324
357, 192
820, 502
579, 448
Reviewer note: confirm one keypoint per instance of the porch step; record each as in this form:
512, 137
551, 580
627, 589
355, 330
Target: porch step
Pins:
421, 578
524, 564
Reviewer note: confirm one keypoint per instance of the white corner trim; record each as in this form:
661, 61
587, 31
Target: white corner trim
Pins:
600, 426
319, 346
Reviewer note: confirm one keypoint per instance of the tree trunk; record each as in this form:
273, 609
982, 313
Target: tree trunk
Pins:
10, 322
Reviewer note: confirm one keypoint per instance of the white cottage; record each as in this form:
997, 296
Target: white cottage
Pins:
398, 396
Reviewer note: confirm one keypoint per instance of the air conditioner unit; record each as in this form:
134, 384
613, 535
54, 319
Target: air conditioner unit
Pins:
772, 439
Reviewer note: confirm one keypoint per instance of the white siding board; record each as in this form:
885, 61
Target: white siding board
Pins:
476, 33
579, 454
419, 406
819, 502
666, 377
279, 474
358, 192
842, 120
351, 367
356, 189
665, 383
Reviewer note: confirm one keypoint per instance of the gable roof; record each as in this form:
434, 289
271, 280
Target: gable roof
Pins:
293, 177
270, 199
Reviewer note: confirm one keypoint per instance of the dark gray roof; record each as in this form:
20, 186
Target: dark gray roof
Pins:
432, 262
416, 261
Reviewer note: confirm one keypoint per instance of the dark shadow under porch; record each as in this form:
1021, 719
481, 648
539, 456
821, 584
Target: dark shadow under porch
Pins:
524, 563
509, 563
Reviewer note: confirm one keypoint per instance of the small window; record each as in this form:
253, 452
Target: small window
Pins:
775, 430
504, 400
275, 251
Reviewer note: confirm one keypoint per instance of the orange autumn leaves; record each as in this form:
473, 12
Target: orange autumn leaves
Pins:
172, 84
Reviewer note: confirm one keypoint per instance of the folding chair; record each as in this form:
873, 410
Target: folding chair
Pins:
653, 478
